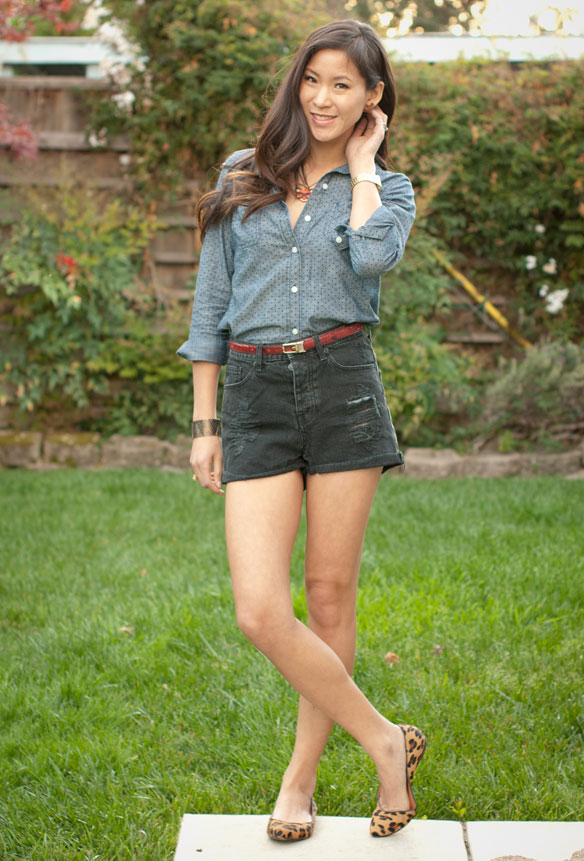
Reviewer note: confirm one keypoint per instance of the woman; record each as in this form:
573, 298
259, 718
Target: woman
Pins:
295, 238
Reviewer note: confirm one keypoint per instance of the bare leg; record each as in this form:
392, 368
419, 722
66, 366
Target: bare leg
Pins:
262, 517
334, 544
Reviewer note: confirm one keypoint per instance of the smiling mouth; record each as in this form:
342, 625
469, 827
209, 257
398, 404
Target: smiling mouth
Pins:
322, 117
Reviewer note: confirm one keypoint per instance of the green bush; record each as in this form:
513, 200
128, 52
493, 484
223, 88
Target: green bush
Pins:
150, 390
427, 382
503, 141
540, 398
67, 279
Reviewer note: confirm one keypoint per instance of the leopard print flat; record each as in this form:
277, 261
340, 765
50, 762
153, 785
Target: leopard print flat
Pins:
387, 822
278, 829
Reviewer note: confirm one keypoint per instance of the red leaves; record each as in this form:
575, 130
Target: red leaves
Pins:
18, 18
17, 135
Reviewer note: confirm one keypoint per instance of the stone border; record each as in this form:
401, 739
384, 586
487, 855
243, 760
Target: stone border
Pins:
54, 450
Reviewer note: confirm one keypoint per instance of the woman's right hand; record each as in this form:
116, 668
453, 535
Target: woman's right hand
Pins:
207, 462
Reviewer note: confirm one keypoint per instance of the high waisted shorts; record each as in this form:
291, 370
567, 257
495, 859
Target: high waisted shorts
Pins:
319, 411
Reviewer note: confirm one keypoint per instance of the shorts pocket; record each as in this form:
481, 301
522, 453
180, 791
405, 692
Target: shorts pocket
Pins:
355, 355
237, 375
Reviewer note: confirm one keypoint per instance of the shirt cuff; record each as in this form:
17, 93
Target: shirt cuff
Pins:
214, 350
376, 227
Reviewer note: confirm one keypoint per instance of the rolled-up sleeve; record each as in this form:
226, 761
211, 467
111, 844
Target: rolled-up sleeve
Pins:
378, 245
207, 342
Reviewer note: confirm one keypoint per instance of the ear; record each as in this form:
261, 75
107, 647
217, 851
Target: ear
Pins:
374, 96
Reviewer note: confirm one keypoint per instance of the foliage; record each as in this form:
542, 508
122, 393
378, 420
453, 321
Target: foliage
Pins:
512, 205
20, 18
68, 274
423, 376
404, 15
17, 135
540, 398
160, 391
198, 96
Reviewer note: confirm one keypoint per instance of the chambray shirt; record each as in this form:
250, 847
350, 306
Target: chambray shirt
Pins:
262, 282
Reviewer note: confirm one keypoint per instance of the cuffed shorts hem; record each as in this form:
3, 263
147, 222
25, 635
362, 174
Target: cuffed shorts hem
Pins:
281, 470
388, 462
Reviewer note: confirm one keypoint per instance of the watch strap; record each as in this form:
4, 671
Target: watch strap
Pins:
366, 177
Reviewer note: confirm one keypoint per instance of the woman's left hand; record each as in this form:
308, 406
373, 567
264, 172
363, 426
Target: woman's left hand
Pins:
366, 139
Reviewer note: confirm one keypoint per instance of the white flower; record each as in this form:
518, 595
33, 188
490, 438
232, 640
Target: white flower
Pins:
543, 290
550, 267
97, 138
125, 159
124, 100
530, 261
555, 300
539, 228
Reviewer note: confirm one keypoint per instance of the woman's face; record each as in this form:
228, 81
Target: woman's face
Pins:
333, 95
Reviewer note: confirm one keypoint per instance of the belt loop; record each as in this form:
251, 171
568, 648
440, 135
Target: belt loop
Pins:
319, 348
258, 358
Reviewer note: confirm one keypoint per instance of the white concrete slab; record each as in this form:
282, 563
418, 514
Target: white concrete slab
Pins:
244, 838
525, 841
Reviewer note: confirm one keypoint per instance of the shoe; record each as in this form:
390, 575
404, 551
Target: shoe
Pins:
278, 829
387, 822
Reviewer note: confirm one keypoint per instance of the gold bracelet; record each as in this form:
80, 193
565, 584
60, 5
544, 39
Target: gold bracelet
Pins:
366, 177
206, 427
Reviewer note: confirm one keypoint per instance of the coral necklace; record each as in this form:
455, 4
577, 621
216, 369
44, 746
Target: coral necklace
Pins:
302, 192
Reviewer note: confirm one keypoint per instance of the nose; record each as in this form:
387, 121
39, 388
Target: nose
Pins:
321, 98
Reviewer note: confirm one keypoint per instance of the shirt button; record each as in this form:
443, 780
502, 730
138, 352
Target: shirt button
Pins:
325, 185
307, 217
339, 239
294, 289
294, 331
294, 250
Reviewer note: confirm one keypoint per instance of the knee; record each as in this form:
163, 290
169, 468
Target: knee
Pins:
260, 624
330, 602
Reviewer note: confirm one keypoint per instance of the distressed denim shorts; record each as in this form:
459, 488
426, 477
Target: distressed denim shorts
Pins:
319, 411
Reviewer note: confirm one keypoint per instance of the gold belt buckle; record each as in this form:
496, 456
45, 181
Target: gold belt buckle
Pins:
294, 347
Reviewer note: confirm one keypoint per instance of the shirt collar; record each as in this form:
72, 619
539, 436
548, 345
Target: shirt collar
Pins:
344, 168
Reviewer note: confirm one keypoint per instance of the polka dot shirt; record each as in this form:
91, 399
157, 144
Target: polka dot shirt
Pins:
262, 282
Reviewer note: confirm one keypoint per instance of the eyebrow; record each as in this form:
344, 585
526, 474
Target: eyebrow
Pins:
336, 78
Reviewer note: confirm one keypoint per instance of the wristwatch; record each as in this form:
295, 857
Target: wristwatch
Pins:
366, 177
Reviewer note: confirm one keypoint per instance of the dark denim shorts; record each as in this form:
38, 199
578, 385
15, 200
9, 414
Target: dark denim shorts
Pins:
319, 411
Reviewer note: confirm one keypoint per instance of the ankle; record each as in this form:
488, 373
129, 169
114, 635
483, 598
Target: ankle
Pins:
299, 780
389, 745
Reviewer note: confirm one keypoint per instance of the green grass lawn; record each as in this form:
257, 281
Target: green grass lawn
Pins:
129, 696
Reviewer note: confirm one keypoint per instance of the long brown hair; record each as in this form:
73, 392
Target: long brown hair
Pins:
283, 143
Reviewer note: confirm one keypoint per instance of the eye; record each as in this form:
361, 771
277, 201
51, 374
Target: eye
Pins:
340, 84
309, 78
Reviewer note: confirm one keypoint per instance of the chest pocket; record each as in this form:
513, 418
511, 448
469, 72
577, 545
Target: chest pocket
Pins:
247, 232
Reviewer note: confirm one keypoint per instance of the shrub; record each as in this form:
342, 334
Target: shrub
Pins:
541, 397
67, 277
507, 137
427, 382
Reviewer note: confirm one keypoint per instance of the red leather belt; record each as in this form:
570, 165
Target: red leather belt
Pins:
300, 346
